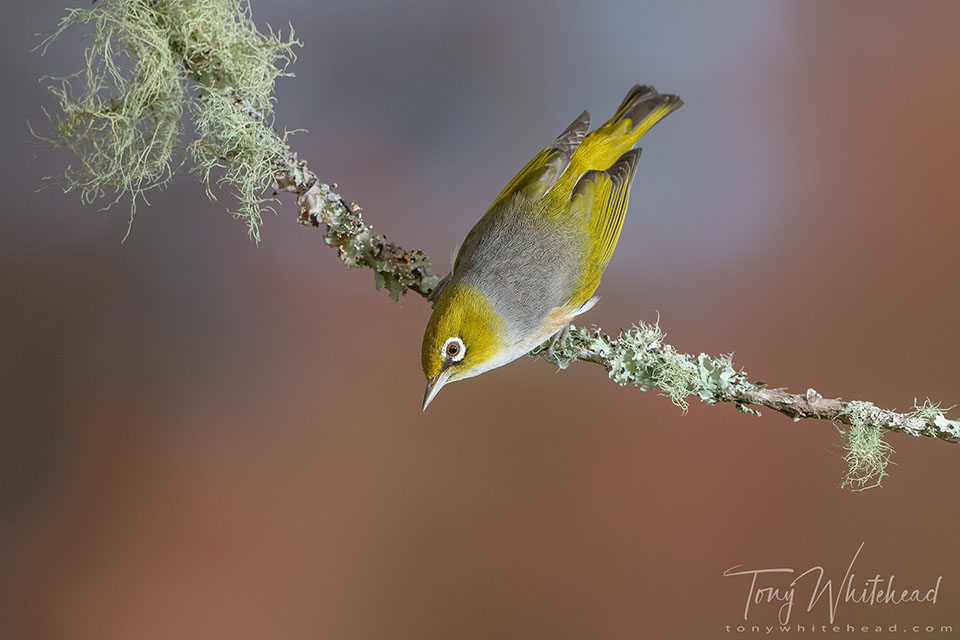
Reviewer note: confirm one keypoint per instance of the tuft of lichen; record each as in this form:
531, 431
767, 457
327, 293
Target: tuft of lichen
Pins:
867, 454
934, 420
640, 357
148, 61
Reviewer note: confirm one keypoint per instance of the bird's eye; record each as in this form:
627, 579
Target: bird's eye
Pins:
454, 349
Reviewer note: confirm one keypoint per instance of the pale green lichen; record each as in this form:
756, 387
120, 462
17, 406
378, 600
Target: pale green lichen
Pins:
366, 250
933, 416
397, 281
394, 269
123, 122
640, 357
930, 411
717, 376
567, 352
867, 454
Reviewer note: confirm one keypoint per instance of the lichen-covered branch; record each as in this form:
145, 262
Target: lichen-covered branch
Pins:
638, 357
152, 59
395, 269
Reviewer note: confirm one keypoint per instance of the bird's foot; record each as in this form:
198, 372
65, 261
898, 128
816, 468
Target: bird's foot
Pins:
559, 338
434, 295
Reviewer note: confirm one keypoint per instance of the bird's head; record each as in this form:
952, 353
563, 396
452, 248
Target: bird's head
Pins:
463, 338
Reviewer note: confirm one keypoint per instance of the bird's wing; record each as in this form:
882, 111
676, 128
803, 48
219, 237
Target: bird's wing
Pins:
599, 200
542, 172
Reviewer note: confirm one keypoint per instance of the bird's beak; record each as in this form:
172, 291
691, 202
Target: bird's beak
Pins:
434, 385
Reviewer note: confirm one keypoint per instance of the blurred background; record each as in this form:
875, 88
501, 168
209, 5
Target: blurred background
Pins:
203, 438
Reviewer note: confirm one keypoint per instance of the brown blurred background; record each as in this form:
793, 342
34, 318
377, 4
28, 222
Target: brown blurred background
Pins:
202, 438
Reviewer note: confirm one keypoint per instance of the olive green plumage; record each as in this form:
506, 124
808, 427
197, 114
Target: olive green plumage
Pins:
534, 260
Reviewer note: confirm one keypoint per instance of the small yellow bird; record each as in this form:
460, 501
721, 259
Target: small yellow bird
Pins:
533, 261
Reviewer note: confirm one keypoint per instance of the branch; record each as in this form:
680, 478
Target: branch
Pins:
123, 128
637, 356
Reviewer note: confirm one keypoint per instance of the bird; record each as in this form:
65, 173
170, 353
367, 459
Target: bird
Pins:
533, 262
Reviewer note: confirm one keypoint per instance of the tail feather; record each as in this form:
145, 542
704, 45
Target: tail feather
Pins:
642, 108
637, 93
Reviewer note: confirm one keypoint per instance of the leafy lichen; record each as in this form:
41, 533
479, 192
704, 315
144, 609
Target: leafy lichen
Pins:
394, 269
148, 60
640, 357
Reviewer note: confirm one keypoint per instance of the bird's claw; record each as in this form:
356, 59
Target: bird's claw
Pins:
434, 295
560, 337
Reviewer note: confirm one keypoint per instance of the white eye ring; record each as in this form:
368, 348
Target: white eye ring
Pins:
456, 354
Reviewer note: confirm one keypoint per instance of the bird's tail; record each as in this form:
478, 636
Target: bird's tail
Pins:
642, 108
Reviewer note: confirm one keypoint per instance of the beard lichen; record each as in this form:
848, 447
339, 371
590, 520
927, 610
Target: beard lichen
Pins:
147, 61
867, 454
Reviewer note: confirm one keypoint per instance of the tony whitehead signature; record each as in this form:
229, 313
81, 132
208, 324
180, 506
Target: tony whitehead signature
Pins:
875, 591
